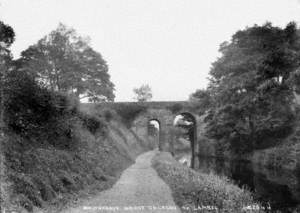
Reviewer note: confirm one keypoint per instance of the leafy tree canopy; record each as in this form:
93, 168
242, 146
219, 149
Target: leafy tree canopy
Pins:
143, 93
251, 86
201, 100
64, 61
7, 37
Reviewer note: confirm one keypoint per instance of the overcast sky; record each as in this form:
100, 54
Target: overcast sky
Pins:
169, 44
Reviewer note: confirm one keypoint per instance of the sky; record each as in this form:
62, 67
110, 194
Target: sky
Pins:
168, 44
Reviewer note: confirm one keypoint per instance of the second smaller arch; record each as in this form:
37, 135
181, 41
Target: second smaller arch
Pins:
154, 133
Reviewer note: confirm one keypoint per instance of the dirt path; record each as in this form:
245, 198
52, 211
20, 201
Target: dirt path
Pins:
138, 190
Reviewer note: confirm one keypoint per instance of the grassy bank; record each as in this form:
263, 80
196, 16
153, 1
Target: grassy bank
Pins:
193, 189
50, 170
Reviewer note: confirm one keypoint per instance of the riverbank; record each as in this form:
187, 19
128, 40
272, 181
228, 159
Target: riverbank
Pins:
279, 189
192, 189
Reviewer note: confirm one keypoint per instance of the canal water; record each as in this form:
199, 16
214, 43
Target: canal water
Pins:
279, 189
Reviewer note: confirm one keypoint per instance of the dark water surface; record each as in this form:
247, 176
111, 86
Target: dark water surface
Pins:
279, 189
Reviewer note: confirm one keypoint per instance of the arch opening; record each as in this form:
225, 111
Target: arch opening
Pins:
154, 132
185, 137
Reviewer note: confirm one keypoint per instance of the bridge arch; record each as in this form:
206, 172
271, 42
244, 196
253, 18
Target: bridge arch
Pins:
164, 112
154, 124
189, 122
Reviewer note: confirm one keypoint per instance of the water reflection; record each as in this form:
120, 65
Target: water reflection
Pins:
279, 189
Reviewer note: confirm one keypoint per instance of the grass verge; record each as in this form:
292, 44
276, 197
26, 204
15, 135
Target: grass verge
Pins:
195, 192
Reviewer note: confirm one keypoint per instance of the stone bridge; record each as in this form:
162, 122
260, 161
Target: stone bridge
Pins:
164, 113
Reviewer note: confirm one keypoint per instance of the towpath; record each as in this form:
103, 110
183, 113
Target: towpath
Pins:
139, 189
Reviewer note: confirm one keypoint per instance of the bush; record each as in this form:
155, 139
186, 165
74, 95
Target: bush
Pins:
42, 115
93, 123
39, 114
29, 107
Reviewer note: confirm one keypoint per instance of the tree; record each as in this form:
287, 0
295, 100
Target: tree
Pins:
251, 88
7, 37
64, 61
143, 93
201, 100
